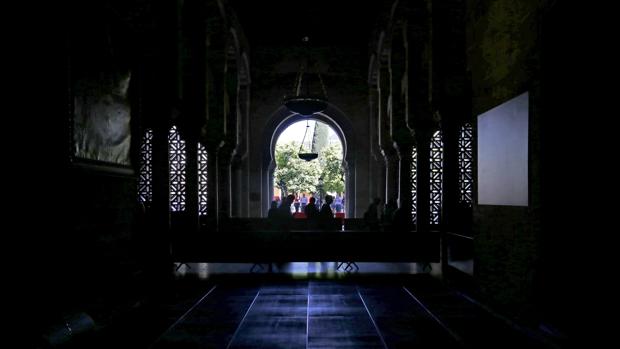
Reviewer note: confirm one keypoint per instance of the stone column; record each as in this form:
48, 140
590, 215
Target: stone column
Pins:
375, 161
450, 175
212, 185
404, 188
392, 175
223, 183
383, 133
159, 249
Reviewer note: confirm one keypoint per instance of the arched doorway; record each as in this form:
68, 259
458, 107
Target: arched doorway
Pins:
316, 177
332, 117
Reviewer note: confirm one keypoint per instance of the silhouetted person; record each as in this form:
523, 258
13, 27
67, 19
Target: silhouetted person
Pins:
387, 219
371, 216
284, 215
142, 230
153, 246
326, 216
312, 212
326, 210
285, 206
296, 204
285, 219
273, 210
401, 221
273, 214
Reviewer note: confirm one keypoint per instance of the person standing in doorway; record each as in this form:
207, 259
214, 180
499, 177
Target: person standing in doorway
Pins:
338, 203
312, 212
326, 215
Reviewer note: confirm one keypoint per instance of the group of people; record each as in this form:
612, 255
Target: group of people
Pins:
391, 217
301, 202
280, 215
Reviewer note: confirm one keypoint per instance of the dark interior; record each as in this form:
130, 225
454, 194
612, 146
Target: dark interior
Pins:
156, 175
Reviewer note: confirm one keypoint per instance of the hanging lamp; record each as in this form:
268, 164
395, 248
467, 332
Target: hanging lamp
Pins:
311, 99
307, 156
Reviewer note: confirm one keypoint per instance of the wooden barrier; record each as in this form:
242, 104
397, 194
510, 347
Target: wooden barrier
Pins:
247, 240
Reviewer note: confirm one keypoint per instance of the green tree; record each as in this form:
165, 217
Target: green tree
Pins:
330, 160
302, 176
297, 174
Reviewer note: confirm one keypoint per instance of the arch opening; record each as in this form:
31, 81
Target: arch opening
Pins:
309, 179
341, 126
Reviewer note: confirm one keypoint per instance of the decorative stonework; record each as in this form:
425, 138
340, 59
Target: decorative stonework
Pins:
145, 181
202, 179
414, 185
177, 160
436, 177
465, 164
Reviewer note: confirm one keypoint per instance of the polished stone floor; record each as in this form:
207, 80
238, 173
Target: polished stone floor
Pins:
412, 312
313, 305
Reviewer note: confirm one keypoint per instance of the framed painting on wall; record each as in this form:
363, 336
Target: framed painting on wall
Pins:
100, 122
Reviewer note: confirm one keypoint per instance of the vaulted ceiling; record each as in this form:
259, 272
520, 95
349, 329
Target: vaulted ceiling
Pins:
280, 22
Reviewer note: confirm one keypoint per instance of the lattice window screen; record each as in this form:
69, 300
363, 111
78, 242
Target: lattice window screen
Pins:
202, 179
145, 181
465, 164
177, 159
414, 185
436, 179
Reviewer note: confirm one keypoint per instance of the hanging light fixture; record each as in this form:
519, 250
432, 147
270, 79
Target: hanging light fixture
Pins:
312, 99
308, 156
